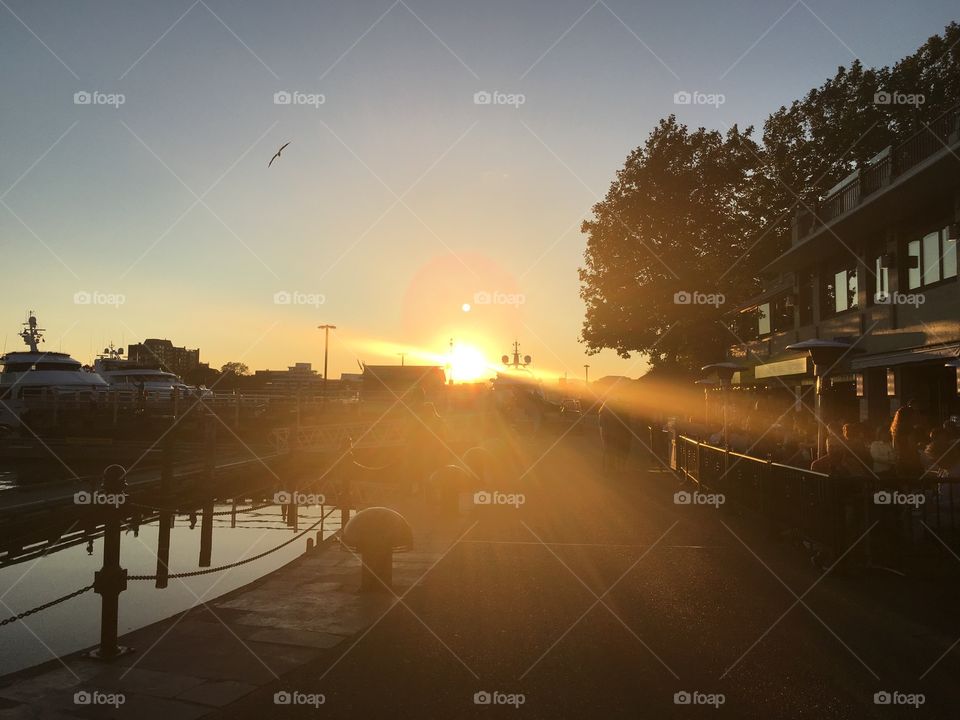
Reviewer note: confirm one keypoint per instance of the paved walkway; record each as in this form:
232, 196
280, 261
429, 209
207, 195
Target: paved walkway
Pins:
595, 598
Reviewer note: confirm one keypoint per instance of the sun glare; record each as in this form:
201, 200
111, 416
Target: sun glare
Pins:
468, 364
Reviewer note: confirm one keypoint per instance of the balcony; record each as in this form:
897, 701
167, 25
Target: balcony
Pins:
885, 170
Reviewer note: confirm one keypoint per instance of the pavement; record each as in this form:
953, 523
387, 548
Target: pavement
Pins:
588, 596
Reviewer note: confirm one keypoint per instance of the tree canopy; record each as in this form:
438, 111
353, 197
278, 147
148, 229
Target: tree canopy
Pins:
703, 211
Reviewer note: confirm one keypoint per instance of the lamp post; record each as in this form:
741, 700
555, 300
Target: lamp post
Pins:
825, 354
326, 344
586, 374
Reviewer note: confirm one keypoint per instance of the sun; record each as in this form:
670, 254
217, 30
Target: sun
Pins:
467, 364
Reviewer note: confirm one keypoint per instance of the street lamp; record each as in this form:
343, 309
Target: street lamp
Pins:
326, 344
586, 374
825, 354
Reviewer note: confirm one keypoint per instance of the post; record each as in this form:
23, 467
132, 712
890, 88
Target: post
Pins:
111, 579
166, 463
163, 548
206, 534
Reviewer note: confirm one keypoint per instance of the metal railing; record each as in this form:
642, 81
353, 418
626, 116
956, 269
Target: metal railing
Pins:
935, 137
899, 518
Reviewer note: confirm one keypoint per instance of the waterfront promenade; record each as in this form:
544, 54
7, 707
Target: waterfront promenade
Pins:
596, 597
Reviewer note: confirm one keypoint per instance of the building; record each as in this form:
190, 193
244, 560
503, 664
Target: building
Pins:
873, 264
390, 383
152, 352
299, 378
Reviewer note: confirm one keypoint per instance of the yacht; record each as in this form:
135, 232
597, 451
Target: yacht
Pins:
41, 375
151, 379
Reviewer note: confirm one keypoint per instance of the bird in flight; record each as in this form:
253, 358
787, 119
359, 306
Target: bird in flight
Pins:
277, 155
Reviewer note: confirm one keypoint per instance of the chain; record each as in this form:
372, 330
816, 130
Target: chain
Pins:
207, 571
39, 608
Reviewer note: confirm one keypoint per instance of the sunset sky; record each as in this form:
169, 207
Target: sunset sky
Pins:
399, 199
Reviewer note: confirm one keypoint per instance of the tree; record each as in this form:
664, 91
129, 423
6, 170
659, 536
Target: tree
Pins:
235, 368
701, 211
659, 265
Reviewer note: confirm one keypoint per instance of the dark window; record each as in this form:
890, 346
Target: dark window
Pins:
805, 298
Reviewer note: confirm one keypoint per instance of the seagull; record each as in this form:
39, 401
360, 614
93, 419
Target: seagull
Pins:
277, 155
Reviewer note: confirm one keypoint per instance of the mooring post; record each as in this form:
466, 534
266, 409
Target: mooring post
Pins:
111, 579
163, 548
206, 534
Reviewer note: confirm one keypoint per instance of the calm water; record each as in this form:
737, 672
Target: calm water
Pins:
75, 624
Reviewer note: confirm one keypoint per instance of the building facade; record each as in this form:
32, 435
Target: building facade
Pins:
164, 354
874, 264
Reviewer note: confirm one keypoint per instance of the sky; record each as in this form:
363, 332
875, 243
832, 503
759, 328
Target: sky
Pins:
136, 201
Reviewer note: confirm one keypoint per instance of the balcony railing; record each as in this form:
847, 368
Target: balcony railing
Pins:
872, 178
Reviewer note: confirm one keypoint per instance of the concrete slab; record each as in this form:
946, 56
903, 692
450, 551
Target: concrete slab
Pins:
305, 638
217, 693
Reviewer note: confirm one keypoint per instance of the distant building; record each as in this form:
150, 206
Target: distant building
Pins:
152, 352
297, 378
389, 383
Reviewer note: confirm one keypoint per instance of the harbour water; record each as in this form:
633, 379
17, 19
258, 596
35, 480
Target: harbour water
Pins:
74, 624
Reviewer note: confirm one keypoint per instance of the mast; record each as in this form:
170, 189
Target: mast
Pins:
32, 334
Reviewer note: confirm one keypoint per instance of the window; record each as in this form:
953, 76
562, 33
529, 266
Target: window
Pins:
932, 258
805, 298
839, 287
776, 315
880, 282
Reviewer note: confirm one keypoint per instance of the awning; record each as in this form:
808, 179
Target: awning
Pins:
910, 355
793, 366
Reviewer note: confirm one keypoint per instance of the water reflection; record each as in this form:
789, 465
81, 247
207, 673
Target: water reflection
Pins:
61, 553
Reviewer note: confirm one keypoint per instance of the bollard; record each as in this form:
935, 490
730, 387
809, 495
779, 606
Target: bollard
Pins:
376, 533
110, 580
309, 544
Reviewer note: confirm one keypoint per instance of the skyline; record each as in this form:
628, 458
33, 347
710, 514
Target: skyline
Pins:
166, 199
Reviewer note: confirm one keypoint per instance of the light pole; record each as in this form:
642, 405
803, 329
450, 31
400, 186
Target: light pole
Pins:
586, 374
326, 345
402, 356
